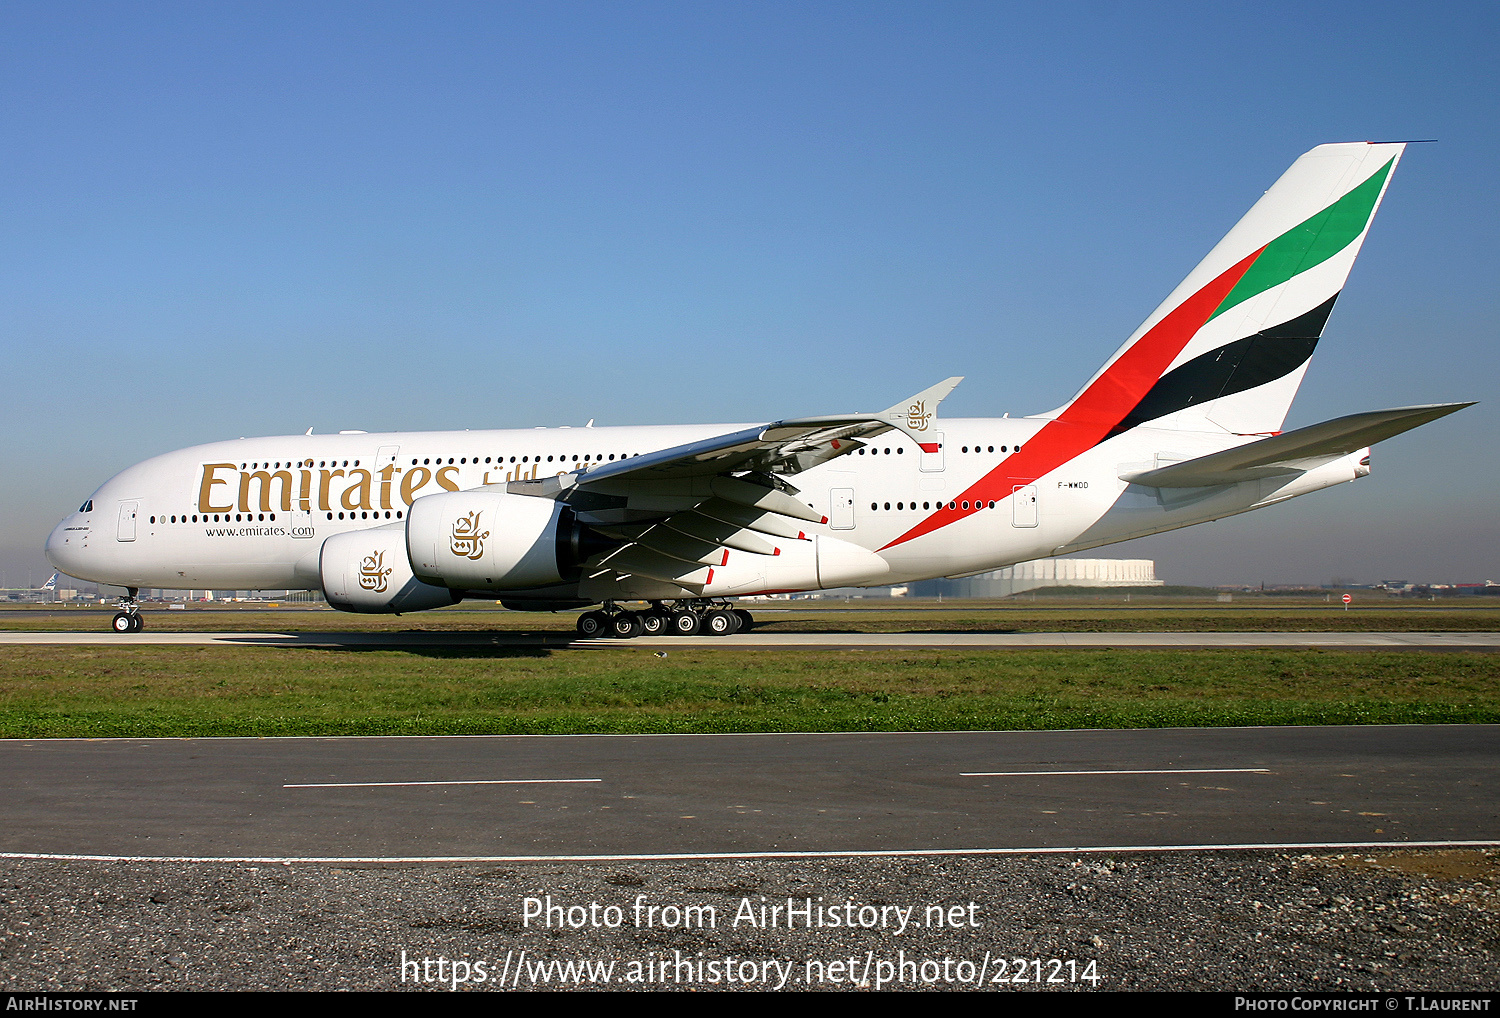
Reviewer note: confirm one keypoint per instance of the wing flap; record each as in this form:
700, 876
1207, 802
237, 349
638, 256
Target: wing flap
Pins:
636, 560
756, 496
752, 519
667, 541
725, 535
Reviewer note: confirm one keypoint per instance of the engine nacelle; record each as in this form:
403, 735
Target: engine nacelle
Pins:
492, 540
367, 571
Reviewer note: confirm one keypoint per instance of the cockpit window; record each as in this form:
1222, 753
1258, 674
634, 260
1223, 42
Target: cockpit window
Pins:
87, 507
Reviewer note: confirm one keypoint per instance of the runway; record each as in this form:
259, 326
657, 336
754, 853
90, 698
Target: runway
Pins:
782, 641
548, 797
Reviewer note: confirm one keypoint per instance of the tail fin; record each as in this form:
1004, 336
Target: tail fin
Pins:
1228, 349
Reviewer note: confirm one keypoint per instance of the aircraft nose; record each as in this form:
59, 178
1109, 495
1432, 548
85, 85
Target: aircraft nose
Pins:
65, 547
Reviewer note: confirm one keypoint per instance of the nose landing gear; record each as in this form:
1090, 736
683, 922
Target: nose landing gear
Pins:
128, 619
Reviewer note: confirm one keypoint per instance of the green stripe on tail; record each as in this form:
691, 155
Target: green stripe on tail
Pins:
1311, 242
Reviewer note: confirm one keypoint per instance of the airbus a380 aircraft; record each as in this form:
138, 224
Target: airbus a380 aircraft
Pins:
1181, 426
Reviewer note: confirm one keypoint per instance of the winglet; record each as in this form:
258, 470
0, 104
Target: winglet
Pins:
916, 414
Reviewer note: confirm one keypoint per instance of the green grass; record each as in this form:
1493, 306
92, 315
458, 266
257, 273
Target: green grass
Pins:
216, 691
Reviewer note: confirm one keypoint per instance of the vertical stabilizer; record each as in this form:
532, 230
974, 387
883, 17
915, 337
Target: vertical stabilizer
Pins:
1227, 350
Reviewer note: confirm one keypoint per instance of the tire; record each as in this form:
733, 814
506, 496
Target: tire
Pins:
625, 626
684, 624
137, 622
122, 623
718, 623
592, 625
654, 623
747, 621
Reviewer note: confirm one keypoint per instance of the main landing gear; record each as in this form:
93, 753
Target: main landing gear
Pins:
128, 619
683, 618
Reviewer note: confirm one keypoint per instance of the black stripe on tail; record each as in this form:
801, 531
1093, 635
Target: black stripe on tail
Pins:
1244, 364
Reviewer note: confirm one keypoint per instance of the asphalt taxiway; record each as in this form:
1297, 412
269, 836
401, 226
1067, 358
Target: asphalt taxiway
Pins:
779, 641
549, 797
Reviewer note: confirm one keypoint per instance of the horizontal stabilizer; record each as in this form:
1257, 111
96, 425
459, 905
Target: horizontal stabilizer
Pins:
1293, 451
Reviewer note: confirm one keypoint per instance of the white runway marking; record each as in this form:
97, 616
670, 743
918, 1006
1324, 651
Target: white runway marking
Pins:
404, 784
1179, 770
343, 860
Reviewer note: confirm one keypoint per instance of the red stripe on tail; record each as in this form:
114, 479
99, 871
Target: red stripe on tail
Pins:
1089, 419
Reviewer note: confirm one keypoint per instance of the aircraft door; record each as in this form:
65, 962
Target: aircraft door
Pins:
126, 528
300, 525
841, 509
1023, 506
932, 451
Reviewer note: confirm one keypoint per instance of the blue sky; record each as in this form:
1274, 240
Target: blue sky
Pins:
223, 220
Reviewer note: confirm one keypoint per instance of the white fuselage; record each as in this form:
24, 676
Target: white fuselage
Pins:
254, 513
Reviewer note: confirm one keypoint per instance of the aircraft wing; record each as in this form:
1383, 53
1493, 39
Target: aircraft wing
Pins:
783, 447
1293, 451
683, 511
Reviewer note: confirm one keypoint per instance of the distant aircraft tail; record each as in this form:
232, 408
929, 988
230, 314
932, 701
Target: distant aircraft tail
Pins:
51, 584
1228, 349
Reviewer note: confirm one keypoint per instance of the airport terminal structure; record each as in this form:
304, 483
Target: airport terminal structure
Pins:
1046, 572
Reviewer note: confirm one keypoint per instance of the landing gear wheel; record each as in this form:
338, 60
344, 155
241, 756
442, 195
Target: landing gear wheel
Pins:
625, 626
747, 621
128, 619
719, 623
684, 623
592, 625
653, 623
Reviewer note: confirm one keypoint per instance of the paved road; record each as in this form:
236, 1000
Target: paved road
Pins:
550, 796
780, 641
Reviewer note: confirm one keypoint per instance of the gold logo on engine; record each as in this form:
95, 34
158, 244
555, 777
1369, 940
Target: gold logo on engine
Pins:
373, 571
918, 416
467, 540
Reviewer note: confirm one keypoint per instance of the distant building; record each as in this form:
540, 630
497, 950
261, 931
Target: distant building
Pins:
1045, 572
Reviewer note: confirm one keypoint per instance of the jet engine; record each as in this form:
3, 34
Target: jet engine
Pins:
367, 571
492, 540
